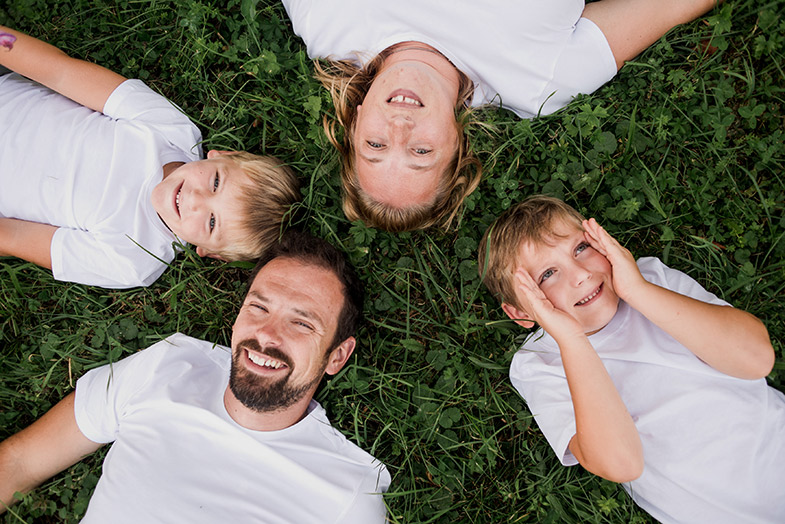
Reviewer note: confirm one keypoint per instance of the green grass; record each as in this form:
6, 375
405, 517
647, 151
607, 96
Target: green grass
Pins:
681, 156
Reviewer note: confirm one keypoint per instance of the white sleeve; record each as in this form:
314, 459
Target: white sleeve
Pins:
658, 273
103, 393
368, 504
133, 100
543, 385
107, 260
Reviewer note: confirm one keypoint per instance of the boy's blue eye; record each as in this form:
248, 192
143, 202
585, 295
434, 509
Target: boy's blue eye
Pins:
546, 274
216, 182
374, 145
583, 246
212, 223
422, 151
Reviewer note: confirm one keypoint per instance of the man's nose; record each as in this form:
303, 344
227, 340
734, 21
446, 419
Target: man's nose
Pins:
268, 333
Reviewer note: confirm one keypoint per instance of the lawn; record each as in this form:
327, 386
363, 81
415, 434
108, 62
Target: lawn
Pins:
681, 156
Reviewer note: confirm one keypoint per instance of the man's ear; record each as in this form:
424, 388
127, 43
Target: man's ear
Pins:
519, 316
204, 253
213, 153
339, 356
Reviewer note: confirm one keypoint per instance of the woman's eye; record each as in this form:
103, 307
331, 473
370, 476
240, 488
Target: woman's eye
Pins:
422, 151
216, 182
374, 145
212, 223
546, 275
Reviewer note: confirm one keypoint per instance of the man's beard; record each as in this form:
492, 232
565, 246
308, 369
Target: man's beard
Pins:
263, 394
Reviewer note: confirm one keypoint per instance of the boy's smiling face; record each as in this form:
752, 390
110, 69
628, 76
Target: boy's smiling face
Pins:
200, 202
574, 276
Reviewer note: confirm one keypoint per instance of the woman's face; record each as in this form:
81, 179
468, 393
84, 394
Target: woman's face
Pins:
405, 133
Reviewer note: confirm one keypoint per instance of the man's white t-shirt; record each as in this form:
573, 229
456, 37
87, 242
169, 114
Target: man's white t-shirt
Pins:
529, 56
177, 455
91, 174
713, 445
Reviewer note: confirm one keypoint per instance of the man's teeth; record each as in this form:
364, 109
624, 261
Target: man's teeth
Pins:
596, 292
405, 100
266, 362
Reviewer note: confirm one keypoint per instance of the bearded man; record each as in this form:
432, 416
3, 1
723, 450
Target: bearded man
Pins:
204, 433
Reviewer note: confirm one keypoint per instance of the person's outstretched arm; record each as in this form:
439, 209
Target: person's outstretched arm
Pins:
29, 241
606, 441
83, 82
630, 26
728, 339
42, 450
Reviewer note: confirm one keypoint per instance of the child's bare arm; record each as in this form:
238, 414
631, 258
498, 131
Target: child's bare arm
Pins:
83, 82
606, 440
45, 448
728, 339
30, 241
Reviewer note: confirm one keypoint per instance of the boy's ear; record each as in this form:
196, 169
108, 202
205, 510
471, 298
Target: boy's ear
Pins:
204, 253
518, 316
216, 153
339, 356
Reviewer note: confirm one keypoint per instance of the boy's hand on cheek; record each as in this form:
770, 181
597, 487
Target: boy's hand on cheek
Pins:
555, 321
627, 278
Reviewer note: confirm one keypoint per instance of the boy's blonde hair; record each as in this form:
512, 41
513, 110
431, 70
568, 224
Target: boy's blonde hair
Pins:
270, 189
530, 221
348, 84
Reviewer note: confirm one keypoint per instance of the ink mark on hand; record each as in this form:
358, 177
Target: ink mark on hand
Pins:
7, 40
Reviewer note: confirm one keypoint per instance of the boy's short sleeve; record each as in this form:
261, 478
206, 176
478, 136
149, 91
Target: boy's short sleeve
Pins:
102, 393
109, 260
658, 273
134, 100
537, 374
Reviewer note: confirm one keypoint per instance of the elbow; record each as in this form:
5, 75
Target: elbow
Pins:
763, 363
623, 470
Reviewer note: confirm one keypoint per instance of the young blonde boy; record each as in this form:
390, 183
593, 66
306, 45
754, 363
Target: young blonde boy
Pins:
102, 178
638, 373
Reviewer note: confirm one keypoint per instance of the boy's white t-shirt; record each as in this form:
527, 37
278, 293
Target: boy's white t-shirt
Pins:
529, 56
713, 445
91, 174
177, 455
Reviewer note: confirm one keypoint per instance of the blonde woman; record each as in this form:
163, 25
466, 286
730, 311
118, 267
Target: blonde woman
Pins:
402, 75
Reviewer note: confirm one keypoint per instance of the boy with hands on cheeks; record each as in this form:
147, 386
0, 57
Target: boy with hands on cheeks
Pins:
638, 373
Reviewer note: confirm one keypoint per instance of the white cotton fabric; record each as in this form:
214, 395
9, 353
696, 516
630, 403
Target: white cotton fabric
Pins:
529, 56
713, 445
91, 174
178, 456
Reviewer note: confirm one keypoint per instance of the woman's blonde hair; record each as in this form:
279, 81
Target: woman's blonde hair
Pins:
348, 84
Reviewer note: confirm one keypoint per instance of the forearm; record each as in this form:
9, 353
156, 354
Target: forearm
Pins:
84, 82
606, 442
45, 448
30, 241
728, 339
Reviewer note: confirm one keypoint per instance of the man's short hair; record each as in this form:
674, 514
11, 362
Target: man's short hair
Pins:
309, 249
530, 221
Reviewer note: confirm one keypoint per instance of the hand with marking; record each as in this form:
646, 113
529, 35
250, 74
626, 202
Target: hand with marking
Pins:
627, 278
556, 322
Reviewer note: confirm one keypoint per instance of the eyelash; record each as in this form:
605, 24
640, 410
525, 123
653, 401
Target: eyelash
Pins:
422, 151
216, 182
580, 248
374, 145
